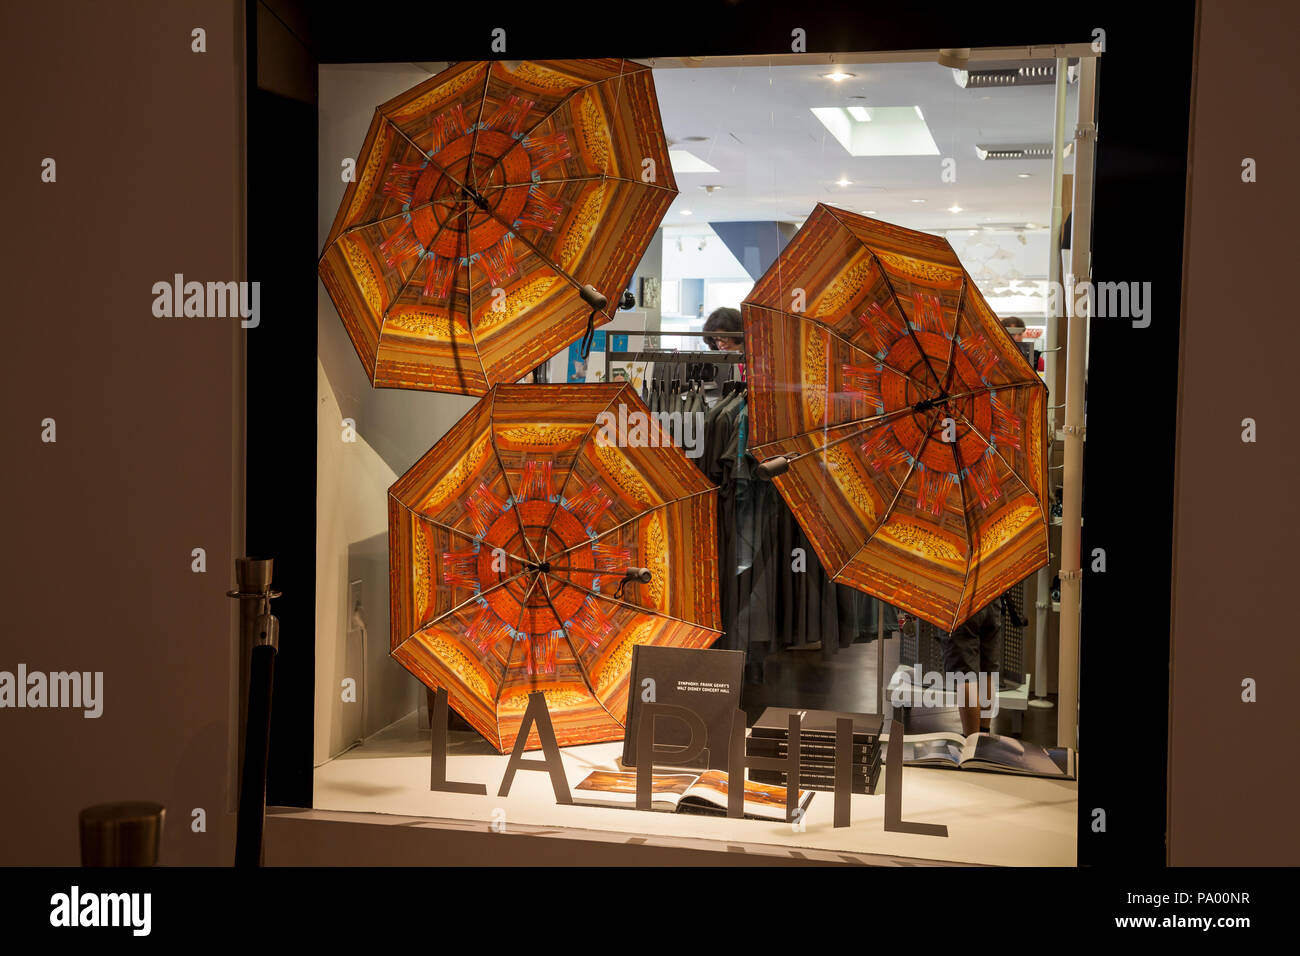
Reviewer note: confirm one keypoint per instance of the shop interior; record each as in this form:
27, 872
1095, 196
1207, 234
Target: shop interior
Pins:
964, 153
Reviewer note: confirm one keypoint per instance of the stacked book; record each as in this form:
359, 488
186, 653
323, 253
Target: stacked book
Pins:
770, 738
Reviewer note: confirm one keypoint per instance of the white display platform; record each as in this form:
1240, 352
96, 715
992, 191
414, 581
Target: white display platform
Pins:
997, 819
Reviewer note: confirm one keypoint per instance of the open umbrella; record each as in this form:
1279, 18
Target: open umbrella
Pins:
498, 213
897, 417
550, 531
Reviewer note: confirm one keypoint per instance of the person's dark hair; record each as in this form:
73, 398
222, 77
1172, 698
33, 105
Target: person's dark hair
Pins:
722, 320
1012, 322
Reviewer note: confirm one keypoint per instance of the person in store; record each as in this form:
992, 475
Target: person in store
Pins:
724, 320
975, 647
1015, 327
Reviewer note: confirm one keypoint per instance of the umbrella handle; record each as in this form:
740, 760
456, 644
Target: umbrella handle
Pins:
597, 302
633, 575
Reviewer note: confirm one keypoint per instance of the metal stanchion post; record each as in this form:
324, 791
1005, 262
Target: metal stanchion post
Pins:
260, 630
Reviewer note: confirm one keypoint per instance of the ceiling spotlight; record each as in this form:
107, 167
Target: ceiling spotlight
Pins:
868, 212
954, 208
918, 200
839, 76
1023, 175
843, 182
686, 212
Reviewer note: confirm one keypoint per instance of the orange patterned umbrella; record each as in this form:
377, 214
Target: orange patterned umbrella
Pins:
498, 213
511, 545
901, 422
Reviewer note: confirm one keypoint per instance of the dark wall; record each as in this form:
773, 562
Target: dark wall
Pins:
99, 526
1232, 795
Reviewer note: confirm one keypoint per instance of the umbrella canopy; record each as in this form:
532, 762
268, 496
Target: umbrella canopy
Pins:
906, 430
485, 200
509, 545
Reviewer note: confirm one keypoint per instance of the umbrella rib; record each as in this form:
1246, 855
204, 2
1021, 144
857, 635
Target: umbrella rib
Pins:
469, 313
481, 594
577, 658
635, 517
505, 475
496, 698
952, 346
635, 607
546, 532
397, 215
383, 319
538, 253
523, 605
831, 331
876, 420
420, 149
906, 324
970, 540
893, 504
482, 105
565, 99
446, 527
872, 422
603, 177
1024, 484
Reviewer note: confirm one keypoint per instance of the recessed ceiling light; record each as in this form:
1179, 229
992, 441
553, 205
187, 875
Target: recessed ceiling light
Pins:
1023, 175
843, 182
686, 212
868, 212
839, 76
954, 208
918, 200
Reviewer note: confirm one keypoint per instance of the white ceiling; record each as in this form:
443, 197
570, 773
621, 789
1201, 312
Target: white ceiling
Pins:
776, 160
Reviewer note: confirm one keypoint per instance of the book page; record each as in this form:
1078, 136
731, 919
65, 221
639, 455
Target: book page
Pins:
619, 787
934, 749
761, 799
1012, 754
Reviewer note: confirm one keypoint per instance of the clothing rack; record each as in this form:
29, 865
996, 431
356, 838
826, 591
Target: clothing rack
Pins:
708, 357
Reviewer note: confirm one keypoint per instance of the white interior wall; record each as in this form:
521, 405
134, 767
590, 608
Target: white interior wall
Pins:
352, 482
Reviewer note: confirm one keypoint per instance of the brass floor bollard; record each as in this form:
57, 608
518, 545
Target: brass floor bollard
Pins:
121, 834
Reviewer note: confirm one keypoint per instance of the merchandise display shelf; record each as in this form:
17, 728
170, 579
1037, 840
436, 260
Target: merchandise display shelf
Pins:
992, 819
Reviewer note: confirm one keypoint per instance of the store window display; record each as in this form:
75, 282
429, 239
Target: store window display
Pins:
779, 605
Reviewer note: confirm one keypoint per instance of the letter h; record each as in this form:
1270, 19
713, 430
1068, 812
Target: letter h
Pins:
738, 760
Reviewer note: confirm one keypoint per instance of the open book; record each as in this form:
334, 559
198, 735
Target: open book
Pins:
987, 752
685, 793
